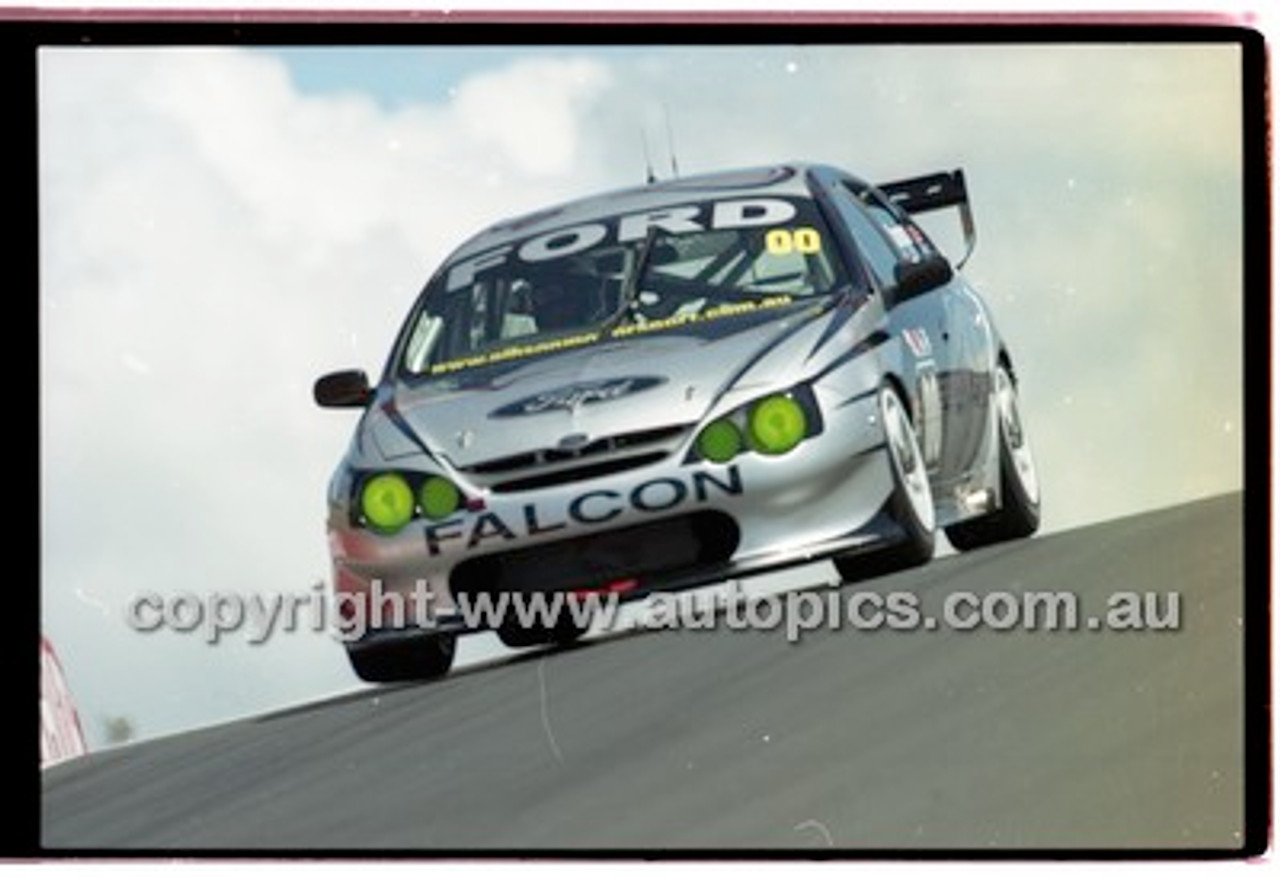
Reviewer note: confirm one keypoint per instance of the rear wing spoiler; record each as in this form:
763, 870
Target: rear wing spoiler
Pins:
936, 191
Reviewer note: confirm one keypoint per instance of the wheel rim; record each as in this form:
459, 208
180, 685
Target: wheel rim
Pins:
1014, 436
904, 451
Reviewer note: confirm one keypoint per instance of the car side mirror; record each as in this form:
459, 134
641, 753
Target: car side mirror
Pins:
912, 278
342, 389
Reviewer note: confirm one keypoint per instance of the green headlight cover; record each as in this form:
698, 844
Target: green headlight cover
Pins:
777, 424
438, 497
387, 502
720, 441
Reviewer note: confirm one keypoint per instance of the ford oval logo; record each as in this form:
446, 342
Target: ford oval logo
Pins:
571, 398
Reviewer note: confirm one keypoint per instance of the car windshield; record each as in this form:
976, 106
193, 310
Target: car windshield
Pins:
621, 277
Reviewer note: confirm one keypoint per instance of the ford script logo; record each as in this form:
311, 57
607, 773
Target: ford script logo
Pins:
571, 398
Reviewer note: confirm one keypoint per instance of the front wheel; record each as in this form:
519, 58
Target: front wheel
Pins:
910, 505
1019, 513
567, 622
421, 659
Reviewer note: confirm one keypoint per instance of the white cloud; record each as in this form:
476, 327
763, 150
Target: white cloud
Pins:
530, 112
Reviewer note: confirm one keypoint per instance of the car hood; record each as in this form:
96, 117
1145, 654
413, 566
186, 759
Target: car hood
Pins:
570, 398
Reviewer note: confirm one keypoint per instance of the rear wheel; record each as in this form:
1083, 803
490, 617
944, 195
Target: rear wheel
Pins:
910, 505
422, 659
1019, 513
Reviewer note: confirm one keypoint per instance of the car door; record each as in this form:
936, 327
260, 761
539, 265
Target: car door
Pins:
919, 323
968, 387
963, 355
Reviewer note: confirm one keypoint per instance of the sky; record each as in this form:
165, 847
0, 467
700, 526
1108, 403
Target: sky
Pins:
220, 226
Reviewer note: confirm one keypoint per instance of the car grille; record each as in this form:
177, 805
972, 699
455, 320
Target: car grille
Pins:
650, 554
547, 467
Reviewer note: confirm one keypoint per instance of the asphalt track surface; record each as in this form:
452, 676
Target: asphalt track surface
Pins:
718, 740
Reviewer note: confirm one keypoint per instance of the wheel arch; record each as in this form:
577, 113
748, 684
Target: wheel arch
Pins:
1005, 360
895, 382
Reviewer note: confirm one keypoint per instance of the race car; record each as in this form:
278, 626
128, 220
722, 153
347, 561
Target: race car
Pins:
671, 385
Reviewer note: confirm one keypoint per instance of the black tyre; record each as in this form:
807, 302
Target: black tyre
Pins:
910, 505
1019, 513
566, 629
424, 659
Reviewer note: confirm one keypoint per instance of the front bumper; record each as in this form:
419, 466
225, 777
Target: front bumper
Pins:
667, 526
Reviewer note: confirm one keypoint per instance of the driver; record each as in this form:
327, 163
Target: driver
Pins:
567, 301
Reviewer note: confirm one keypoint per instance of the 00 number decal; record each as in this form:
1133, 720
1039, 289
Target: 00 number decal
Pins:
783, 241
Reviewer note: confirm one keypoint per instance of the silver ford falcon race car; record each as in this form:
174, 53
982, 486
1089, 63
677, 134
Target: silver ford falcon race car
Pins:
668, 386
